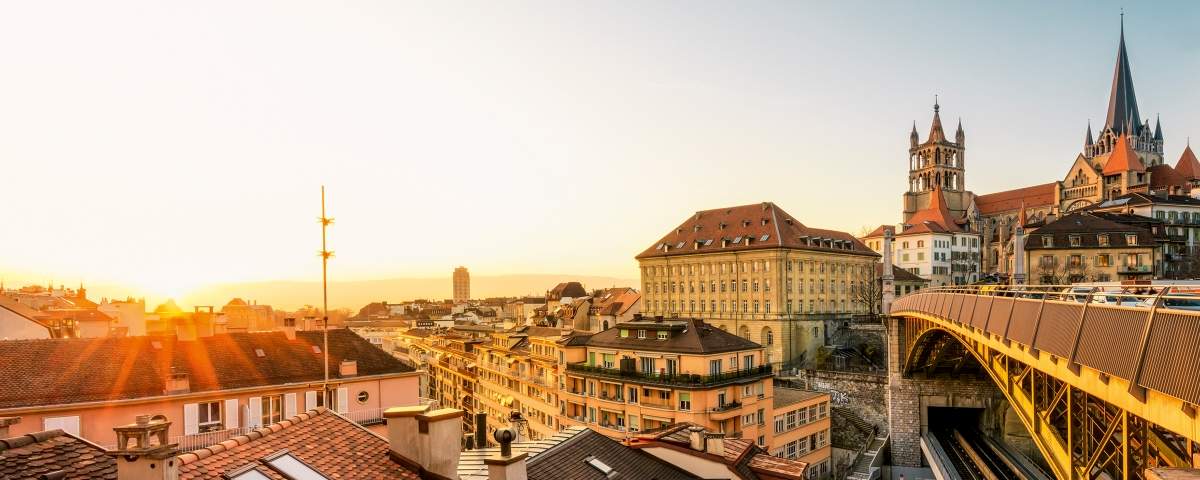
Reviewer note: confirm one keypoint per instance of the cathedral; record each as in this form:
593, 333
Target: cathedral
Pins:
1124, 157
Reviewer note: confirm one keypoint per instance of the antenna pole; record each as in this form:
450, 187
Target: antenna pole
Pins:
325, 254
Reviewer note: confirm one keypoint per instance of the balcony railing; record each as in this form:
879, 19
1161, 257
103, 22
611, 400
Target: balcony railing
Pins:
1134, 269
197, 441
726, 407
370, 416
682, 379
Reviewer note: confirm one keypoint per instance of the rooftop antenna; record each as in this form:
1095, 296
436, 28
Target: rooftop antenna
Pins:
325, 254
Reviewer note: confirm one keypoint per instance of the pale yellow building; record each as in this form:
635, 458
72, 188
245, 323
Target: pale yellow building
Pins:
518, 372
758, 272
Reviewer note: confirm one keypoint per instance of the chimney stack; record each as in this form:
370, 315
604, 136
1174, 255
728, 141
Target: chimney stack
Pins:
439, 433
401, 432
506, 466
5, 423
696, 438
289, 328
149, 457
714, 443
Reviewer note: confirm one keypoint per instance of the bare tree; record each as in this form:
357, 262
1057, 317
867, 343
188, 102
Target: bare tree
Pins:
871, 294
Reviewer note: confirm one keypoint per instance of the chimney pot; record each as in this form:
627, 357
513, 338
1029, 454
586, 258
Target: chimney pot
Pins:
506, 466
438, 435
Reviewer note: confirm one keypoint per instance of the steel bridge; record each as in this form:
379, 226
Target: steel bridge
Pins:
1107, 382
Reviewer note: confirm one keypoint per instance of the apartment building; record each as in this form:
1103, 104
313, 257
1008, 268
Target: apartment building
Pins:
450, 359
649, 373
801, 426
1094, 247
217, 386
757, 271
518, 372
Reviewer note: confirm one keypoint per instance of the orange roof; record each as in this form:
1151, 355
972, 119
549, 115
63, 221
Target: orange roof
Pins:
1123, 159
1164, 176
1187, 164
936, 213
1035, 196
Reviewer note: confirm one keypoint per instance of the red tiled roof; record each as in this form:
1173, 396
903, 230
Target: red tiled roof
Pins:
879, 231
1188, 166
113, 368
748, 227
1034, 196
29, 456
1123, 159
330, 444
937, 214
1162, 176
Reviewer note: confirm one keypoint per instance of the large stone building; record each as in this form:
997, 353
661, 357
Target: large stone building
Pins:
1125, 157
756, 271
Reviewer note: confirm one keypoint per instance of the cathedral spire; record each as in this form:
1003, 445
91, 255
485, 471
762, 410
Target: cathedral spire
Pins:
1088, 142
959, 136
914, 138
936, 134
1157, 128
1122, 102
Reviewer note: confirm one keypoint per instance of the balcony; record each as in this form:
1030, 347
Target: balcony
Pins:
734, 405
610, 397
683, 379
1134, 269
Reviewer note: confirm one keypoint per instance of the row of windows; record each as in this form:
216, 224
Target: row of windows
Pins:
714, 286
1102, 240
800, 417
818, 266
748, 306
798, 448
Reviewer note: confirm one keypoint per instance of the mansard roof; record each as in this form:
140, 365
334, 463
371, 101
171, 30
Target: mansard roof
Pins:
749, 227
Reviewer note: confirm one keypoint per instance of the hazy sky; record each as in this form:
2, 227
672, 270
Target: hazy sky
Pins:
168, 145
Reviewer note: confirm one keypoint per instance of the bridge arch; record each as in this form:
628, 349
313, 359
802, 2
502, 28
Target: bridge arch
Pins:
1086, 423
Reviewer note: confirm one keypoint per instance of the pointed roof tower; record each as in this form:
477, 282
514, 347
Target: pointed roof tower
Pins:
1088, 141
914, 138
936, 134
1123, 159
959, 136
1122, 102
1157, 128
1187, 164
1021, 218
937, 213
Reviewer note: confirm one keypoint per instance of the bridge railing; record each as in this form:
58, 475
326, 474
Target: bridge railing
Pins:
1148, 335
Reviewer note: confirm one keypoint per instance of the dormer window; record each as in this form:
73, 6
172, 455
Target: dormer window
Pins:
1131, 239
663, 334
1074, 239
1047, 241
641, 334
1102, 239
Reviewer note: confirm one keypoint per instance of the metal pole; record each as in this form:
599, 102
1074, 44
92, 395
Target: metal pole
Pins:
325, 254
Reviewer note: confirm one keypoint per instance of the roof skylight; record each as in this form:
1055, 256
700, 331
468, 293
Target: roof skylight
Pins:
598, 465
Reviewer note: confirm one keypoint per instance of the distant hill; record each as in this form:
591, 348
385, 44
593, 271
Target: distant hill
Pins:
352, 295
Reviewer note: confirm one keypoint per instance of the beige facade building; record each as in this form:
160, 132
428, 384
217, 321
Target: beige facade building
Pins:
1091, 247
518, 372
756, 271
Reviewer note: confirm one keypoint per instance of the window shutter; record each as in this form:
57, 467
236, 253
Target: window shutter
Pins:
254, 416
231, 413
191, 418
343, 396
310, 400
289, 405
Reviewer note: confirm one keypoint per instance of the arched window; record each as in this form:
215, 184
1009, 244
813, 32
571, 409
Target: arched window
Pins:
768, 337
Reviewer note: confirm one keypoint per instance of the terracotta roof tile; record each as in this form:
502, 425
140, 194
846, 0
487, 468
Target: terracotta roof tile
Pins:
28, 456
937, 214
1163, 176
748, 227
335, 446
1034, 196
114, 368
1123, 159
1188, 166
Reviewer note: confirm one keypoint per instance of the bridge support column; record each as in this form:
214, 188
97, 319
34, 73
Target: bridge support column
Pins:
904, 406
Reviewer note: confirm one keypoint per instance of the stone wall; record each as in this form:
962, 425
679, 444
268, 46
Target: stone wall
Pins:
865, 394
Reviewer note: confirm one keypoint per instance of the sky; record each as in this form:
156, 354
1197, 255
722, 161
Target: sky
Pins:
169, 146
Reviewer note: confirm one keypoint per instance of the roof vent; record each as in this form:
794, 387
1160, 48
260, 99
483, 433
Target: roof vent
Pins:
721, 226
745, 223
260, 353
787, 221
601, 466
765, 221
348, 368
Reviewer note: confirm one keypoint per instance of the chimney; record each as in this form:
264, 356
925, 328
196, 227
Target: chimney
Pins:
506, 466
401, 431
185, 330
348, 368
149, 457
177, 383
481, 430
696, 438
289, 328
5, 423
438, 435
714, 443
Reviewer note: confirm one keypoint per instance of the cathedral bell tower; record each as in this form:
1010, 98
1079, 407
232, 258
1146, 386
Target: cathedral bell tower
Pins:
938, 162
